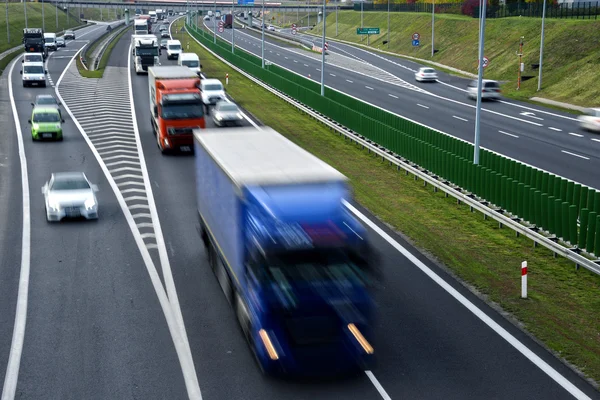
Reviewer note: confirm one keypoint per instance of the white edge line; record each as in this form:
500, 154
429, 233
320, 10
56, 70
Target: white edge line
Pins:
183, 353
509, 134
189, 371
534, 358
378, 386
555, 129
16, 347
573, 154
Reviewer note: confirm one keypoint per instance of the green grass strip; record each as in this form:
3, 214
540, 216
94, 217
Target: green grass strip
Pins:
8, 58
103, 61
563, 305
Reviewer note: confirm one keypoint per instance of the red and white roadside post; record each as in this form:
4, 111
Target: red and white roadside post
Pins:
227, 79
524, 280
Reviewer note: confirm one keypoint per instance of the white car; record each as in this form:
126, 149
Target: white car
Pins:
34, 73
70, 195
173, 49
590, 121
190, 60
490, 90
426, 74
212, 91
226, 113
271, 28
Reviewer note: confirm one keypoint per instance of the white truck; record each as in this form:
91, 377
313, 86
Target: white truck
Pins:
152, 15
140, 27
145, 52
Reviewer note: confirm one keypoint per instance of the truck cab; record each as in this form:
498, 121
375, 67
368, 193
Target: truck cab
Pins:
33, 41
176, 107
190, 60
140, 27
146, 54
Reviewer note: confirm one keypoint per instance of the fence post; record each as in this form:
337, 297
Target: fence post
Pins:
524, 280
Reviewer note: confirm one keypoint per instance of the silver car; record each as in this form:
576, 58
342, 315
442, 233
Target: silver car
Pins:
47, 101
70, 195
490, 90
60, 42
227, 113
590, 121
426, 74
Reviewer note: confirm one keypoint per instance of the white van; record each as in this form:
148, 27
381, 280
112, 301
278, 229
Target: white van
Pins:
190, 60
212, 91
34, 73
50, 41
173, 49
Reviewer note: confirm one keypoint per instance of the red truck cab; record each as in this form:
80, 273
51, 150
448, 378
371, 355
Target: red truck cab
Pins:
176, 107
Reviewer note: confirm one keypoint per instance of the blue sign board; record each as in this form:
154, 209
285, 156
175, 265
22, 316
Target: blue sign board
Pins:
415, 42
245, 2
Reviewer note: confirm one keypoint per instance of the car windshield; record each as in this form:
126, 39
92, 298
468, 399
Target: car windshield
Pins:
49, 40
215, 86
60, 40
182, 111
41, 117
69, 184
190, 63
228, 108
46, 100
163, 42
33, 69
428, 70
68, 32
174, 47
34, 59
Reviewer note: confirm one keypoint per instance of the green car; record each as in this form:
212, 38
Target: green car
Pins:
46, 124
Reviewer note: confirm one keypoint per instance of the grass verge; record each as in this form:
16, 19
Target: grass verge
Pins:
563, 306
8, 58
105, 57
571, 49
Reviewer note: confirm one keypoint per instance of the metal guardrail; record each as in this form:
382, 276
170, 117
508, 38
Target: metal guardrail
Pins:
427, 177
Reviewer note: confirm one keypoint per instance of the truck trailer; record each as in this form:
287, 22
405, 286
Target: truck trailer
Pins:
227, 21
176, 107
291, 259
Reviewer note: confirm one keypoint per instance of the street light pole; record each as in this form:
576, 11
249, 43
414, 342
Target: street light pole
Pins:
215, 23
25, 10
43, 18
323, 52
262, 46
388, 29
233, 26
432, 27
542, 47
479, 81
336, 19
362, 2
55, 8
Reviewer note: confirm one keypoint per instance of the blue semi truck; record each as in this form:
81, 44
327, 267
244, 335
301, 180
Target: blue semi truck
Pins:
293, 262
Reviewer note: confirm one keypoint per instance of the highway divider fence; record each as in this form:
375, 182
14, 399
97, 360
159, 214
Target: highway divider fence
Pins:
563, 211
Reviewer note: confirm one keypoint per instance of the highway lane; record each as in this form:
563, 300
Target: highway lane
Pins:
429, 345
556, 150
95, 328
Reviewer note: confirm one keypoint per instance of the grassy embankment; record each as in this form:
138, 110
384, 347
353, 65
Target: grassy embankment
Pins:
571, 49
105, 57
563, 305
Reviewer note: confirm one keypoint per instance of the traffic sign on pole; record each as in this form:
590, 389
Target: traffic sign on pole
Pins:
416, 43
221, 29
416, 36
367, 31
293, 31
486, 62
294, 26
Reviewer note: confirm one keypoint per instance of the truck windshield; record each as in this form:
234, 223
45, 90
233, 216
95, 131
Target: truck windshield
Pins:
182, 111
174, 47
190, 63
147, 52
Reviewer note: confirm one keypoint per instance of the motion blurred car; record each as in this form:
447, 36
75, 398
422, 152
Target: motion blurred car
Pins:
426, 74
226, 113
69, 34
33, 57
70, 195
490, 90
590, 121
271, 28
163, 28
60, 42
212, 91
163, 43
165, 34
47, 101
206, 18
46, 124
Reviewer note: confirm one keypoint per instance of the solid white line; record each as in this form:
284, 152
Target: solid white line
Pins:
596, 140
462, 119
348, 80
508, 134
16, 347
555, 129
575, 134
503, 333
575, 155
391, 95
421, 105
369, 87
378, 386
178, 335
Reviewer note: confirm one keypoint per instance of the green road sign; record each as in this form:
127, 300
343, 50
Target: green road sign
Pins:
367, 31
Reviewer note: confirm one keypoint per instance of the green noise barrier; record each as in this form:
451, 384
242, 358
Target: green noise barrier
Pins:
566, 210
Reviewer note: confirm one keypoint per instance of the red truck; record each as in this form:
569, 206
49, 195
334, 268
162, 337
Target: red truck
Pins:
227, 21
176, 107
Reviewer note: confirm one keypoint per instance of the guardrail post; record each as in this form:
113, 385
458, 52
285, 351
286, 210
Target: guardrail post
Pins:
591, 235
551, 215
590, 199
570, 186
563, 189
544, 188
596, 201
583, 228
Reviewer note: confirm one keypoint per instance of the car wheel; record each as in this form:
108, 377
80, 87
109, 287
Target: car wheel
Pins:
24, 84
47, 215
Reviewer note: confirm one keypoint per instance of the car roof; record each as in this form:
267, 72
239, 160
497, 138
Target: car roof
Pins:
173, 41
45, 109
34, 63
34, 54
209, 81
64, 176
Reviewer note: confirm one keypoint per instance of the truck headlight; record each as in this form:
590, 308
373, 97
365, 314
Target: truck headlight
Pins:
54, 205
89, 203
138, 59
